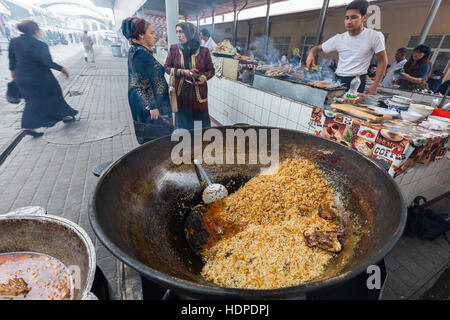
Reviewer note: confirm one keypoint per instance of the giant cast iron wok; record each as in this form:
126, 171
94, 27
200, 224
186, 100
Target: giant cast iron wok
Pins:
139, 207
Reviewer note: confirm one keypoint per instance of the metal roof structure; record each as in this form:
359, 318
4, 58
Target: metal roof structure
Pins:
191, 8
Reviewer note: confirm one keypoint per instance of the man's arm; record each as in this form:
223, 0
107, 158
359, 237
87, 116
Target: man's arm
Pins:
381, 69
311, 60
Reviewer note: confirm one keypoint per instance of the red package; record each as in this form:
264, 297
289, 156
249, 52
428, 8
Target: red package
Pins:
441, 113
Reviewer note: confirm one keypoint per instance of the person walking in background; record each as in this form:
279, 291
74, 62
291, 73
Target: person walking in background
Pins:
88, 45
192, 66
7, 33
30, 64
148, 92
206, 40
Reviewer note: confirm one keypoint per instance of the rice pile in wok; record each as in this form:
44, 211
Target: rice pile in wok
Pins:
263, 227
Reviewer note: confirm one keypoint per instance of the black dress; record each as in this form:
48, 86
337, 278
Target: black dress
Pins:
31, 62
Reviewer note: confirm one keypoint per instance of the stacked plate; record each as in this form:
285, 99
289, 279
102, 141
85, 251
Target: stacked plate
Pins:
424, 110
401, 100
398, 103
416, 112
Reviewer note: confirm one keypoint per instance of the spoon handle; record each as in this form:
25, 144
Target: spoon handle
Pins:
202, 172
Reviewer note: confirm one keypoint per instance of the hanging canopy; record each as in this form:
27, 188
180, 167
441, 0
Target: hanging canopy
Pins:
190, 8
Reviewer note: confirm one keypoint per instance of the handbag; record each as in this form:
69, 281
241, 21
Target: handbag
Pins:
12, 93
153, 129
424, 223
173, 91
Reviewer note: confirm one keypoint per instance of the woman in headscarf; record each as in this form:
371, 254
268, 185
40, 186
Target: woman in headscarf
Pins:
30, 64
193, 67
416, 70
148, 92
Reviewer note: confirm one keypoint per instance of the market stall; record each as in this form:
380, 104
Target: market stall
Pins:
401, 144
291, 102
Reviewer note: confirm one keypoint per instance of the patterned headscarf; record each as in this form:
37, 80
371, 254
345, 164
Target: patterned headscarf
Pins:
133, 26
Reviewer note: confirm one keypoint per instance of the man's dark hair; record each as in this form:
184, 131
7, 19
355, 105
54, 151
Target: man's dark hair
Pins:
402, 50
205, 32
360, 5
85, 31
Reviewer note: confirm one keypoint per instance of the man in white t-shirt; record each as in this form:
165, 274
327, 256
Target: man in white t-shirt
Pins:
356, 48
395, 69
207, 41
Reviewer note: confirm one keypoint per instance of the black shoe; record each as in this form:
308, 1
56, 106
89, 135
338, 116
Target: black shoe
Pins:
34, 133
69, 120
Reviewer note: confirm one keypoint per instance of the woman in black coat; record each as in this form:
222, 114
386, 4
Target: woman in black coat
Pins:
30, 63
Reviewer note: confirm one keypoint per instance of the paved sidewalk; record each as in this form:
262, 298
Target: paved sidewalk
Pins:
58, 177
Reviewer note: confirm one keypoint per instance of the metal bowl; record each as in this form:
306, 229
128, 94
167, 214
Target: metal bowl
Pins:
56, 237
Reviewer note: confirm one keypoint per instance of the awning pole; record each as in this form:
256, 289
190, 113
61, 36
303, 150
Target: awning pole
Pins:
213, 11
198, 23
235, 23
266, 27
430, 18
172, 20
323, 13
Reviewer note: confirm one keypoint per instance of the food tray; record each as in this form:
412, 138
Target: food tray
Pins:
223, 55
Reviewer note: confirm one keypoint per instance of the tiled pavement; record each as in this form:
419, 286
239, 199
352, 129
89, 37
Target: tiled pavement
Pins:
59, 178
414, 265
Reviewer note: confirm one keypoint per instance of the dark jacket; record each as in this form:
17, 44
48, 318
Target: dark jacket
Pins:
31, 62
193, 96
147, 86
28, 54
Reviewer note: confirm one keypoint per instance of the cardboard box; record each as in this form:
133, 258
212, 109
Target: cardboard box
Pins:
230, 68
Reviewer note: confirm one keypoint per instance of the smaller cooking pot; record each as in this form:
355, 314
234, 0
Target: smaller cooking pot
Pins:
56, 237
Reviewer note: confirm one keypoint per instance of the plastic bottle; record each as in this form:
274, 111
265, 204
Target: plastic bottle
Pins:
435, 103
352, 93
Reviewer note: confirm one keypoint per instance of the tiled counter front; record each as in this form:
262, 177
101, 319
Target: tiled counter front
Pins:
233, 102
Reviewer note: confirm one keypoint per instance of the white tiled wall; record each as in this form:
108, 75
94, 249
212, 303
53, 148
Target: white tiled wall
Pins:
430, 181
246, 104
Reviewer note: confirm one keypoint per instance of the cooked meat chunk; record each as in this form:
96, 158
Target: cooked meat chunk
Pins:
327, 240
344, 226
325, 212
14, 287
